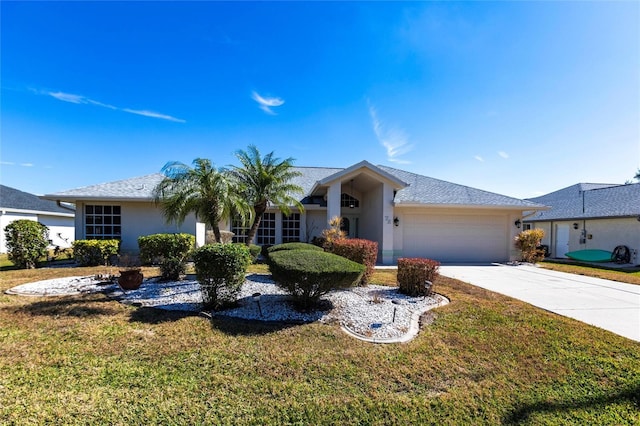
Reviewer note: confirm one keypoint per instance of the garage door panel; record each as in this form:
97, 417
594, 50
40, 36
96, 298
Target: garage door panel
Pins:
456, 238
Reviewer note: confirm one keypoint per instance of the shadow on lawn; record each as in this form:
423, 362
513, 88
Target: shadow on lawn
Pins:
242, 327
72, 306
523, 412
158, 316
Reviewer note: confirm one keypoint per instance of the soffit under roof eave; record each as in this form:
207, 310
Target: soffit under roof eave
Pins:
470, 206
570, 219
74, 199
5, 210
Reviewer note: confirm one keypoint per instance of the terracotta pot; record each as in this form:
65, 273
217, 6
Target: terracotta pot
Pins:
130, 280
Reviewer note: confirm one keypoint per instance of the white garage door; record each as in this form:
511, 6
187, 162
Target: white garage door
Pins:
456, 238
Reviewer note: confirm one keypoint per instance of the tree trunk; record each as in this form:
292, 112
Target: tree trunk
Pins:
259, 210
216, 233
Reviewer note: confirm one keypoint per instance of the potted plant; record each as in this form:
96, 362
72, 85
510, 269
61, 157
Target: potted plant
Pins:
130, 273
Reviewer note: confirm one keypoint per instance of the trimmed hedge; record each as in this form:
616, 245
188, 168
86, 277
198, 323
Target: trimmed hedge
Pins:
94, 252
154, 248
361, 251
293, 246
221, 269
309, 274
412, 274
170, 251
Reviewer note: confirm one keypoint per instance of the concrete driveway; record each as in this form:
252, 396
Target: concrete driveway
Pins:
606, 304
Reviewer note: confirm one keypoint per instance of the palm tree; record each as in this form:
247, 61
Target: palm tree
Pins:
266, 180
203, 189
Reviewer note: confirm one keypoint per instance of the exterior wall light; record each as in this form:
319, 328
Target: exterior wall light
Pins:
396, 221
518, 223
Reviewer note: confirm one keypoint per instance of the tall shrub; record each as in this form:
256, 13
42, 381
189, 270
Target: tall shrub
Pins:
221, 269
528, 242
413, 273
27, 241
94, 252
361, 251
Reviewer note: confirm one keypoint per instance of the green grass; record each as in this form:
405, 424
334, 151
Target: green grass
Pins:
485, 359
630, 275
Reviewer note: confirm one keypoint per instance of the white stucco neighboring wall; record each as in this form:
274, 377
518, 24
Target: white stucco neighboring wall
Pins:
61, 228
600, 234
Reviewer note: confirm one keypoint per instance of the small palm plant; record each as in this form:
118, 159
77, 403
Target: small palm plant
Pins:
203, 189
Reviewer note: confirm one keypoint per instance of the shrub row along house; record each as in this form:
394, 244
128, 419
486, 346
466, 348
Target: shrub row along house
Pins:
407, 214
589, 216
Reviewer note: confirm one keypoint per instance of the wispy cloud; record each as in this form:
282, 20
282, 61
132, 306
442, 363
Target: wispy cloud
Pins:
266, 104
480, 159
26, 164
82, 100
503, 154
153, 115
7, 163
395, 141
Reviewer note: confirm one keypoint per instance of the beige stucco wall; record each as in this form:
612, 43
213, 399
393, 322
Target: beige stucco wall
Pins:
606, 234
316, 222
138, 219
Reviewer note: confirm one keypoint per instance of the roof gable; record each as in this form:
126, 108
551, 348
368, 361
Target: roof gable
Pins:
14, 199
363, 165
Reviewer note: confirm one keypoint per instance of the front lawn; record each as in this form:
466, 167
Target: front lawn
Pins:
629, 275
483, 359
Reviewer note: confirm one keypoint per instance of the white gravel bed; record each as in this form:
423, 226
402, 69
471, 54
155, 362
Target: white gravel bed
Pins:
59, 287
372, 312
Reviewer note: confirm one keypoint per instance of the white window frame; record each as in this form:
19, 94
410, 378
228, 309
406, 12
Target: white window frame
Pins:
100, 218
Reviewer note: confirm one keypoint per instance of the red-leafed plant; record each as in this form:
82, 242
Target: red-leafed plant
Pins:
413, 274
361, 251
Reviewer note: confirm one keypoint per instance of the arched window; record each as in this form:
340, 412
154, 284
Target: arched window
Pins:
347, 200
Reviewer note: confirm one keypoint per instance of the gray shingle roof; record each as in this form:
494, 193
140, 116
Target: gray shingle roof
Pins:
137, 188
421, 189
14, 199
588, 200
427, 190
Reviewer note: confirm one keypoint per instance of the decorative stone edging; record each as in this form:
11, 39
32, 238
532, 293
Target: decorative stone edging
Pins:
414, 327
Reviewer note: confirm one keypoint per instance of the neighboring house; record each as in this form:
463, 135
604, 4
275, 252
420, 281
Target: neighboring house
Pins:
15, 205
409, 215
590, 216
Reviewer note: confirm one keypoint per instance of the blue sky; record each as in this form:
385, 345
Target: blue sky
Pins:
519, 98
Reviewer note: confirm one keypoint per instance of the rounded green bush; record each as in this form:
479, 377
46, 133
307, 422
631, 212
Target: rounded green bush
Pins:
254, 251
309, 274
27, 241
293, 246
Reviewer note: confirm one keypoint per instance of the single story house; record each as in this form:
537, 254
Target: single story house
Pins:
409, 215
59, 218
589, 216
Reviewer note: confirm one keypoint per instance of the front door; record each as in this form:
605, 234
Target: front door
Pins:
350, 225
562, 240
